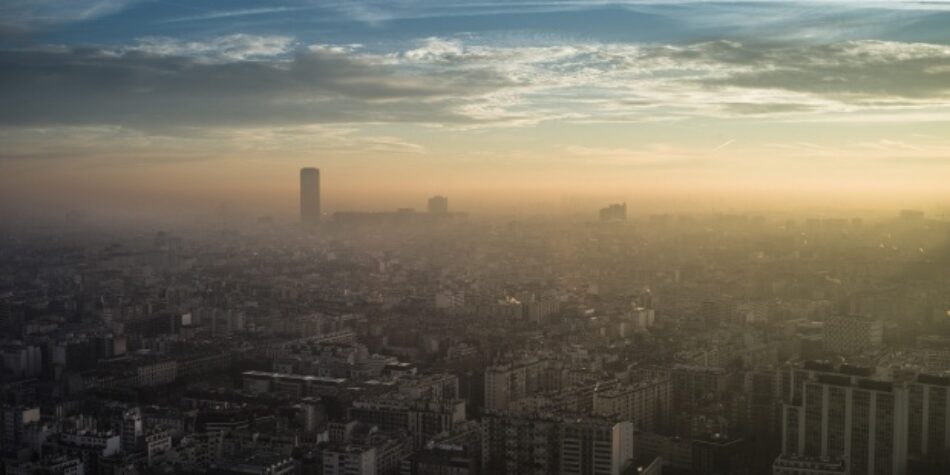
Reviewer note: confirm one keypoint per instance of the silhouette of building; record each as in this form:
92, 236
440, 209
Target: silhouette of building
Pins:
438, 204
309, 196
614, 212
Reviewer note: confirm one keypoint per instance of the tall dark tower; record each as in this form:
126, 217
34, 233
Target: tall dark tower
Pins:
309, 196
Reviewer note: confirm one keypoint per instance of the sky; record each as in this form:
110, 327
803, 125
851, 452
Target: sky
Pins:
144, 105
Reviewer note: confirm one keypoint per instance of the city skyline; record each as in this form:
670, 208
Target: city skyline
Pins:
475, 237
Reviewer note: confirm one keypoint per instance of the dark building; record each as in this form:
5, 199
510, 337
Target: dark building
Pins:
438, 204
309, 196
614, 212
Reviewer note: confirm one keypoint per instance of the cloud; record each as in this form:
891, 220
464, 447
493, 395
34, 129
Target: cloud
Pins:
163, 83
378, 11
856, 72
237, 47
217, 15
249, 81
191, 143
19, 15
616, 81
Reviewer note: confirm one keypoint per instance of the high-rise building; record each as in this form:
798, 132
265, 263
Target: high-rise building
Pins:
929, 426
132, 430
859, 420
309, 196
438, 204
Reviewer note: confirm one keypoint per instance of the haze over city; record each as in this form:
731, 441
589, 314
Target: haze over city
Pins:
525, 237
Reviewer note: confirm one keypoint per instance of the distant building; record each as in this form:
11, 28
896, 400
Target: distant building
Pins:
157, 373
258, 463
355, 459
88, 446
309, 196
614, 212
506, 383
911, 215
438, 204
647, 402
449, 460
694, 386
423, 418
15, 420
852, 334
448, 298
60, 465
22, 360
362, 449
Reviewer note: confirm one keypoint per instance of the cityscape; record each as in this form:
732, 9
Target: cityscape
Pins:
475, 238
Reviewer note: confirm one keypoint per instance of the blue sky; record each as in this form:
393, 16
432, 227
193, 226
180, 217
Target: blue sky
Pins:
381, 23
629, 92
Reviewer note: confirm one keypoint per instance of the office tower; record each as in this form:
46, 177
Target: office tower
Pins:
614, 212
438, 204
858, 420
309, 196
852, 334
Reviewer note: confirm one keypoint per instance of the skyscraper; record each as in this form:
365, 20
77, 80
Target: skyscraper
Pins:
438, 204
309, 196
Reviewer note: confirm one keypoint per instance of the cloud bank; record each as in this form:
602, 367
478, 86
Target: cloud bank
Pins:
255, 81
